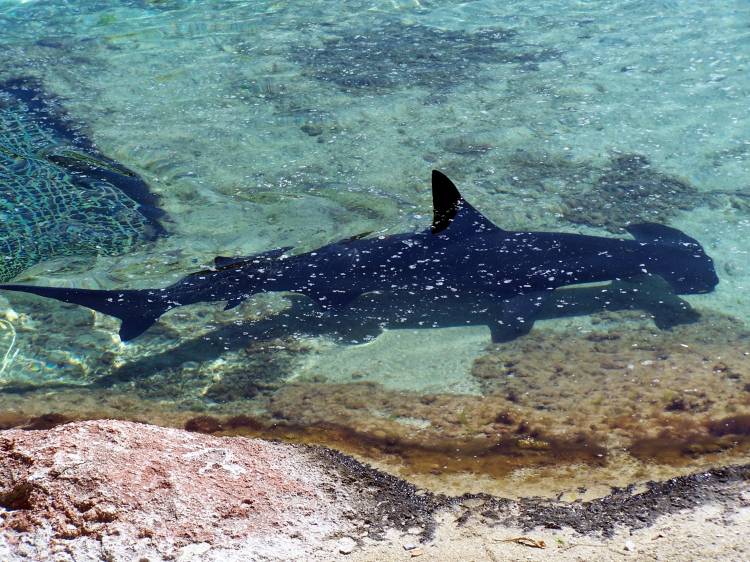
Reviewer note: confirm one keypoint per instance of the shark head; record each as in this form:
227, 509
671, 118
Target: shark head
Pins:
681, 260
691, 273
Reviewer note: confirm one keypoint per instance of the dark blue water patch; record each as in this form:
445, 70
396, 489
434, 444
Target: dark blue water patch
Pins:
60, 196
392, 55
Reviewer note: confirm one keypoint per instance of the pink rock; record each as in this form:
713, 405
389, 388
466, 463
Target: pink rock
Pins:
141, 490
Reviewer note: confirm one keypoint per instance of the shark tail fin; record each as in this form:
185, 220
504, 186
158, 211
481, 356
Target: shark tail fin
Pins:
138, 310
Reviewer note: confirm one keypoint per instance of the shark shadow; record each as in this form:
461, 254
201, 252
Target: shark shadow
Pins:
369, 315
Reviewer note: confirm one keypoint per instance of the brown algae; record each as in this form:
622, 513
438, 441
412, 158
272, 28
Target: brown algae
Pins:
624, 399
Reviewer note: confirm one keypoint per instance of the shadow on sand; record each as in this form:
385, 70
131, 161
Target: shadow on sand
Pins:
371, 313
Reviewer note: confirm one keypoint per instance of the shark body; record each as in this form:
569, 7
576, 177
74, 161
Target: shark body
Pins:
502, 276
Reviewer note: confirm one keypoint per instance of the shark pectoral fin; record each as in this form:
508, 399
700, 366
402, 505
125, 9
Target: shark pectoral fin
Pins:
449, 209
514, 317
655, 296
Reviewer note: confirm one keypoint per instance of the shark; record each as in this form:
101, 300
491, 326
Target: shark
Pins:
502, 277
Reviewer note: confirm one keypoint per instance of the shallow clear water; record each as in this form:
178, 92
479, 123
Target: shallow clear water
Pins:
271, 124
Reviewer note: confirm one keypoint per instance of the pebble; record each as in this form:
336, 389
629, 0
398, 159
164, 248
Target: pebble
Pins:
472, 503
193, 552
346, 545
630, 546
410, 546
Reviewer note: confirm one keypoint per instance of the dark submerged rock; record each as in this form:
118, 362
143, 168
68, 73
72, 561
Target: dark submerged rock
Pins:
629, 191
393, 55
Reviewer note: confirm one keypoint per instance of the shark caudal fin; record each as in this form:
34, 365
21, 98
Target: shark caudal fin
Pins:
137, 309
685, 265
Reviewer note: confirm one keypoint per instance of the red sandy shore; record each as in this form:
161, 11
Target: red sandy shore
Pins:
151, 491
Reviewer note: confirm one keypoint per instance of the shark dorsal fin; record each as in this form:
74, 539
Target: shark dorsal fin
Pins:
449, 209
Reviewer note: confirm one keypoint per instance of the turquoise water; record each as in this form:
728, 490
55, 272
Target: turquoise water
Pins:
270, 124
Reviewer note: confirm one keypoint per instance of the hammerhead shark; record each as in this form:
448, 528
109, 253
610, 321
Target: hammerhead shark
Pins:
502, 276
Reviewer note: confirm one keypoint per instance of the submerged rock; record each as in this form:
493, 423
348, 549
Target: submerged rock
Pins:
393, 54
629, 191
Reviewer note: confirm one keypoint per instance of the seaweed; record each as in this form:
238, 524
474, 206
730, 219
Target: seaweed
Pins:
59, 196
392, 55
630, 190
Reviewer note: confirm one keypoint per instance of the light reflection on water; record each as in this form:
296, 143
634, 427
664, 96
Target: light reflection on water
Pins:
263, 125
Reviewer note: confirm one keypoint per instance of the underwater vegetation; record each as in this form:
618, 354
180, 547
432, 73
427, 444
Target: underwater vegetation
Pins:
678, 397
59, 196
392, 55
629, 190
675, 396
629, 384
